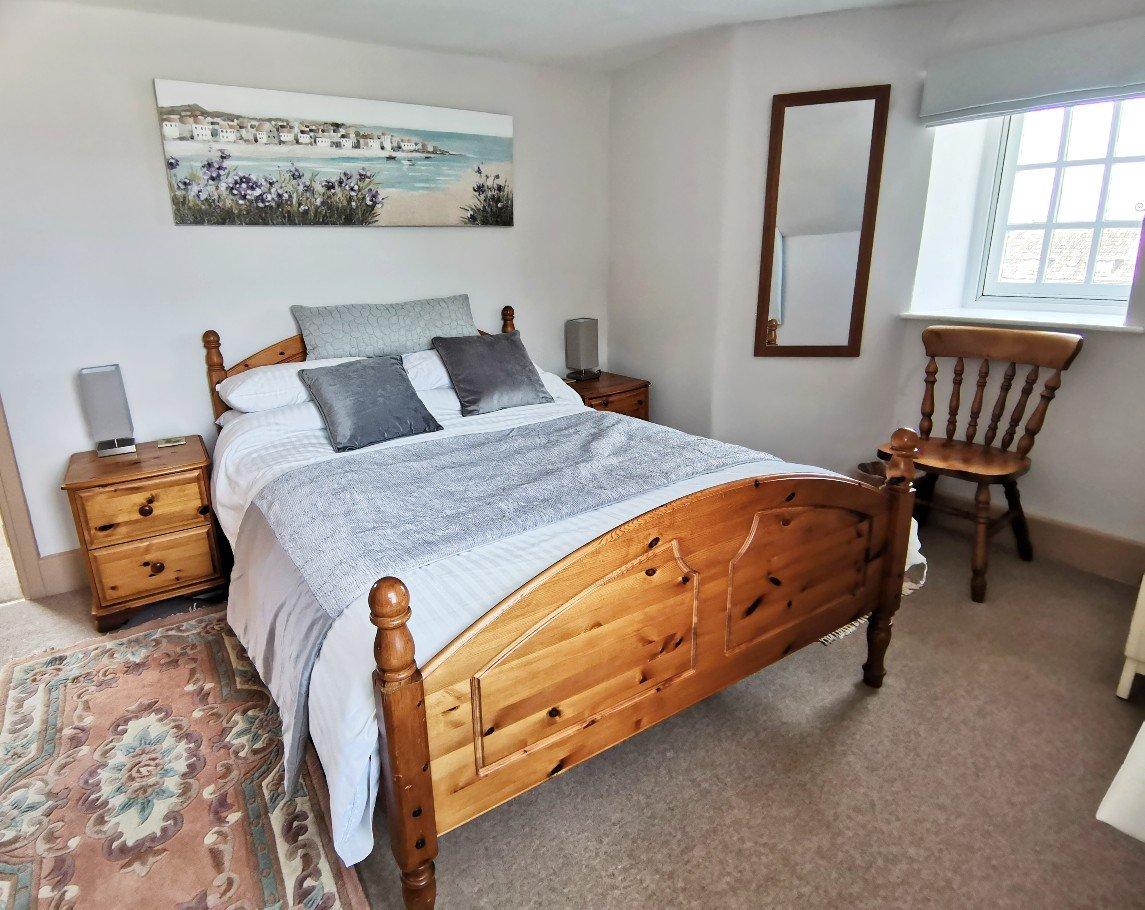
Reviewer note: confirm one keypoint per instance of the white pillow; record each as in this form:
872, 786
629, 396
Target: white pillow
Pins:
274, 386
426, 371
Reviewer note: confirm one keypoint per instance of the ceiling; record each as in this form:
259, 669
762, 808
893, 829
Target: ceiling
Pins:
598, 34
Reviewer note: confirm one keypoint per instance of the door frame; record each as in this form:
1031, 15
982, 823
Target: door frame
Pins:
17, 519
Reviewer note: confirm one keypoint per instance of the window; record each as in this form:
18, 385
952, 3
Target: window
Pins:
1065, 218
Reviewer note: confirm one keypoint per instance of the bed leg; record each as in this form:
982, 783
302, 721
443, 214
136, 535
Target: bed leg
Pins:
900, 494
406, 783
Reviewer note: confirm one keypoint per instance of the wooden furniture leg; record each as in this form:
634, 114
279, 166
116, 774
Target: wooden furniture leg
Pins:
981, 543
926, 488
406, 783
900, 472
1018, 521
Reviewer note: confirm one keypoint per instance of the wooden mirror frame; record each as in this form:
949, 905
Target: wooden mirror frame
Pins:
766, 343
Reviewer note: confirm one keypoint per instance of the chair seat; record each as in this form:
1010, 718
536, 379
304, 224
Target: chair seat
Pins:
968, 461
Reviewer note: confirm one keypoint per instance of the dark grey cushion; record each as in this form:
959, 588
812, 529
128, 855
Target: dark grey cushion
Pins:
491, 372
375, 329
367, 401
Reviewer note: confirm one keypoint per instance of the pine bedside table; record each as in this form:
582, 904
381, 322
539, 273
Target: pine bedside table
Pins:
145, 526
615, 393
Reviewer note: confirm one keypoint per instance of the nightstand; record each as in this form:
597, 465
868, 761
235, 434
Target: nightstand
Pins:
145, 526
615, 393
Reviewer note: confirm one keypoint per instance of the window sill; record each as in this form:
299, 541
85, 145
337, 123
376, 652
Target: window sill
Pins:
1031, 319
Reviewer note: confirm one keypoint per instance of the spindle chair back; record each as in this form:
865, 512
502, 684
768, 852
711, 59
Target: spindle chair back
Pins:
1024, 353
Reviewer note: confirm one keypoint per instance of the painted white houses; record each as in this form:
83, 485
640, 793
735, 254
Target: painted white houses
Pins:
263, 132
202, 130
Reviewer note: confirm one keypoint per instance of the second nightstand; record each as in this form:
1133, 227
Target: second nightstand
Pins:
616, 393
145, 526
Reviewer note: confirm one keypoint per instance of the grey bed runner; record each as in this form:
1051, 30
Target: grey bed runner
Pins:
347, 521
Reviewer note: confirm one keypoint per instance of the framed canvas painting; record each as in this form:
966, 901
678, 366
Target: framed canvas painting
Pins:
243, 156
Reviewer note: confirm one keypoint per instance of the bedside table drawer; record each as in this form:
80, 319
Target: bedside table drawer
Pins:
143, 508
634, 404
143, 567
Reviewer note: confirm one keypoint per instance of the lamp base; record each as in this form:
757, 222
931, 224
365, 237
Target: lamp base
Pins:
583, 375
122, 446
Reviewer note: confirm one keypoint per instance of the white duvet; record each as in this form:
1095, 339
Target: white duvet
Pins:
446, 596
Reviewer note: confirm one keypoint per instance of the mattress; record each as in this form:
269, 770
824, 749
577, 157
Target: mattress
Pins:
446, 596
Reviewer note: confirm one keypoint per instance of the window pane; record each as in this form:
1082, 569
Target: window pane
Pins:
1021, 253
1030, 197
1116, 256
1081, 189
1068, 256
1089, 131
1126, 199
1041, 136
1131, 132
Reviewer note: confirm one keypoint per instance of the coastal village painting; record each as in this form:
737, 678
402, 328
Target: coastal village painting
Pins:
240, 156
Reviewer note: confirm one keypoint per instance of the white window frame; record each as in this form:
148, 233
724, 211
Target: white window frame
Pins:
994, 201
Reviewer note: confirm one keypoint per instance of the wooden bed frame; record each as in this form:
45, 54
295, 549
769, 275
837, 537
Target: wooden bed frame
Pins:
644, 621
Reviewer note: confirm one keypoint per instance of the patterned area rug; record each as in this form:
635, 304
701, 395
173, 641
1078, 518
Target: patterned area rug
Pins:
145, 769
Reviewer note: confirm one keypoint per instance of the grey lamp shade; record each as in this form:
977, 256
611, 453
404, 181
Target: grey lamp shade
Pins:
581, 352
104, 402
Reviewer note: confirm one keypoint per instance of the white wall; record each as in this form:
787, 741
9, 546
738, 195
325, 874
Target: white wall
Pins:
94, 271
821, 410
666, 177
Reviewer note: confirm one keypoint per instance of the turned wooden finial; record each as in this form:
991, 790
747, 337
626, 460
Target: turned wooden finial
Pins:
393, 643
216, 372
904, 450
507, 324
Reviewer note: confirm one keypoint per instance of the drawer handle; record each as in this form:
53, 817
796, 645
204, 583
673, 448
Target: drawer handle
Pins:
145, 510
157, 567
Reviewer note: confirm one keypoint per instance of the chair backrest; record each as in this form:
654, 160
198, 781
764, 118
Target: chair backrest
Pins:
1053, 351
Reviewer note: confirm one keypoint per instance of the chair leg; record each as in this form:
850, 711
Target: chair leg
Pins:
923, 498
981, 541
1018, 521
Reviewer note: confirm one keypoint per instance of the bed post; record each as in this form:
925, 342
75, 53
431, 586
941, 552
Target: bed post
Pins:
216, 372
406, 784
899, 490
507, 324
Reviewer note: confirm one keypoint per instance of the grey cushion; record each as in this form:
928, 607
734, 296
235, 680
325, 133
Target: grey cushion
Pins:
375, 329
367, 401
491, 372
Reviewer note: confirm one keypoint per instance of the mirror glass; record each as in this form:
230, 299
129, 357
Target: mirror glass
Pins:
817, 231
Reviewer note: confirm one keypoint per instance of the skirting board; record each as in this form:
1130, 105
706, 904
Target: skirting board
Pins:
1083, 548
1093, 551
63, 572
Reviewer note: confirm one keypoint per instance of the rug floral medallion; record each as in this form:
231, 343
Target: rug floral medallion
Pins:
145, 769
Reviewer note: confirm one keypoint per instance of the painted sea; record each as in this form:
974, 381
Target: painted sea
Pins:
412, 172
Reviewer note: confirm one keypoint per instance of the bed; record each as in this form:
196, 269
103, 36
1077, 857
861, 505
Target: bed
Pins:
537, 652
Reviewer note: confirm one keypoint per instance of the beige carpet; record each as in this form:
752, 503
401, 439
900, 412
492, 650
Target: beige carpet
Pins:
970, 780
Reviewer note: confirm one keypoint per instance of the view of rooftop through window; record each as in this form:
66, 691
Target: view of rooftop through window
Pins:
1069, 204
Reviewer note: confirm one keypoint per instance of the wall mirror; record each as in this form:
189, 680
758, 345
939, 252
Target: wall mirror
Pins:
824, 163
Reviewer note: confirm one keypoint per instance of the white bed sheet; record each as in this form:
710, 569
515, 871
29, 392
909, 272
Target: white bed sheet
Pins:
447, 596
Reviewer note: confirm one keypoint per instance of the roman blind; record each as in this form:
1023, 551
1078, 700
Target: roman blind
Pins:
1100, 61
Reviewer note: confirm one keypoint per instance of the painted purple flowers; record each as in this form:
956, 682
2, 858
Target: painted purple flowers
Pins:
172, 163
217, 193
492, 200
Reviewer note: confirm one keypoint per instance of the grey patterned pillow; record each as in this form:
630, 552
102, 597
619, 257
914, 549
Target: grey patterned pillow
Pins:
377, 329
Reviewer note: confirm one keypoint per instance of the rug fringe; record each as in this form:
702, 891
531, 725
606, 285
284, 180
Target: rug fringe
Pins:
844, 631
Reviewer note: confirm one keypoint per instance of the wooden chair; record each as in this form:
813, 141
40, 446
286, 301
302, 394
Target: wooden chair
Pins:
984, 463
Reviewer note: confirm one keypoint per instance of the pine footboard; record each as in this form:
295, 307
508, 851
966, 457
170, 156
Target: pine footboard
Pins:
633, 627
